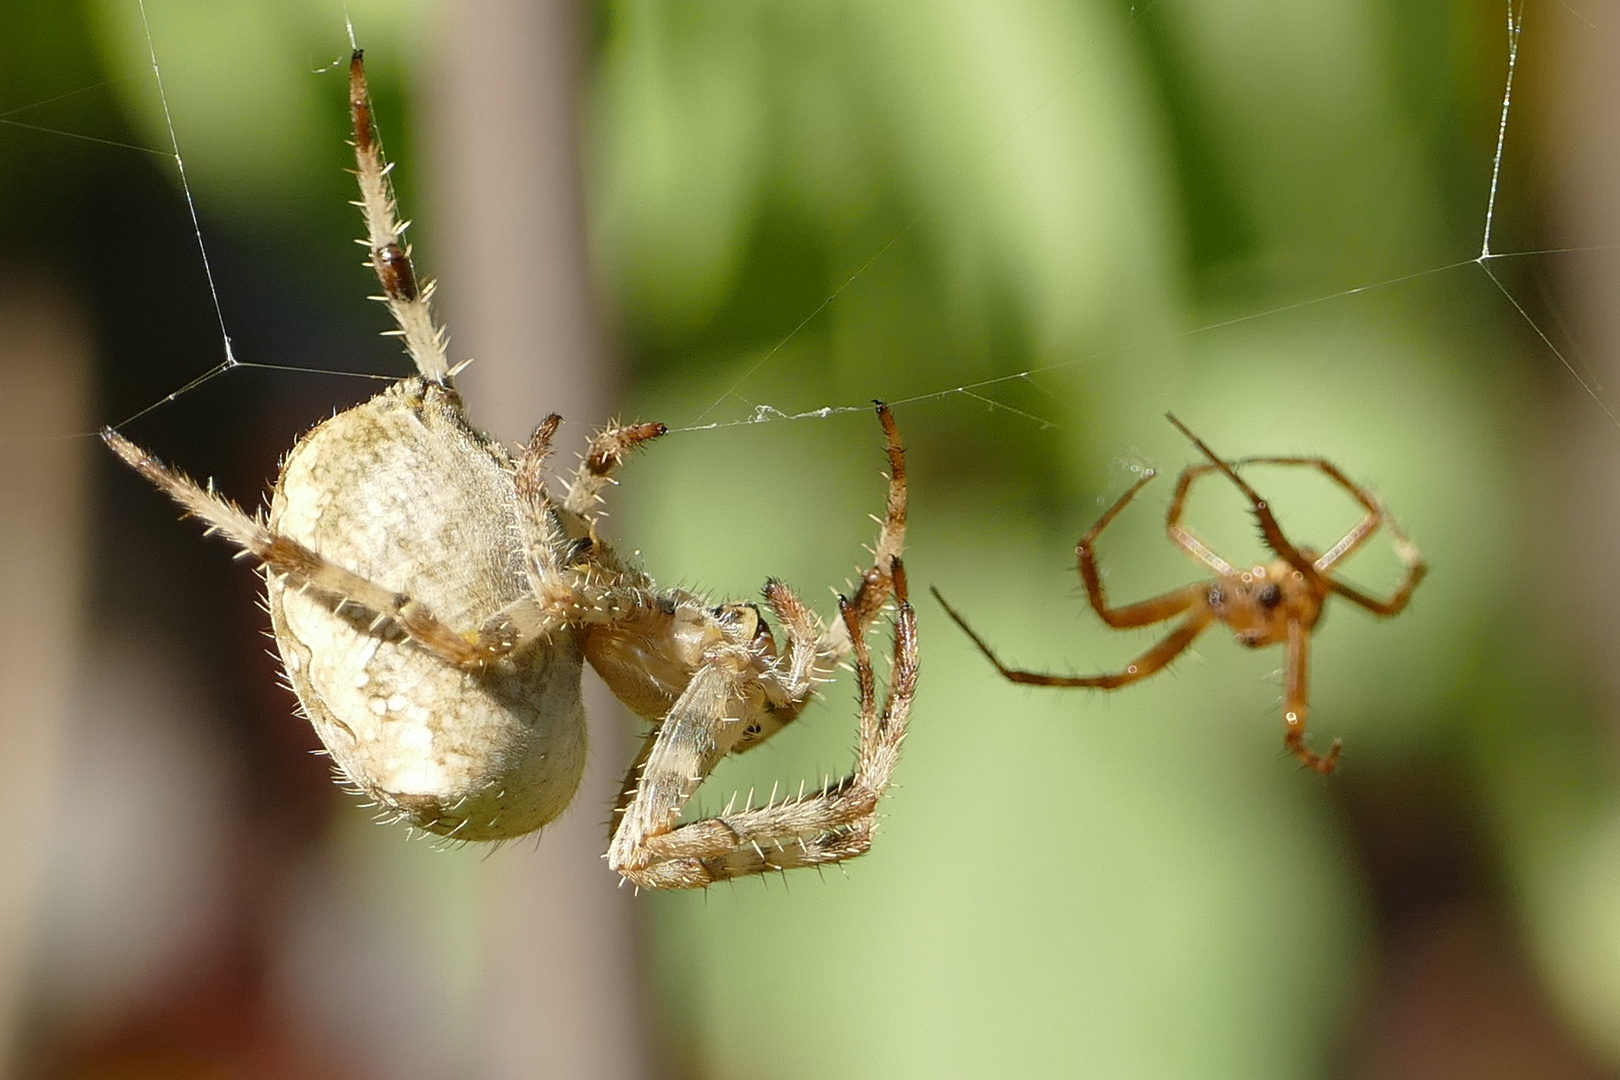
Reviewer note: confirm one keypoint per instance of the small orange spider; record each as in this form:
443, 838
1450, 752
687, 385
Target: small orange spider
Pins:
1265, 605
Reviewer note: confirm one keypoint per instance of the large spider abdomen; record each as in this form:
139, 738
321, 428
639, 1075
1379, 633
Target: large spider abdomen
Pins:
401, 491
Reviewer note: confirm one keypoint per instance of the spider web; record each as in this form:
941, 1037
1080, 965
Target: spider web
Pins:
1548, 329
1536, 312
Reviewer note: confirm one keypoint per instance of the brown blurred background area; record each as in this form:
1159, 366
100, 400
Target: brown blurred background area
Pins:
1084, 212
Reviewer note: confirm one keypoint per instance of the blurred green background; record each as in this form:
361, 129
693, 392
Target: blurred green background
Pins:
1042, 224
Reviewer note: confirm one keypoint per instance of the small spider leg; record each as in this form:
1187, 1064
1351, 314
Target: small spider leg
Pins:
1363, 530
1185, 538
1295, 705
833, 824
1416, 569
305, 567
1269, 529
1168, 648
1142, 613
390, 255
607, 450
1374, 516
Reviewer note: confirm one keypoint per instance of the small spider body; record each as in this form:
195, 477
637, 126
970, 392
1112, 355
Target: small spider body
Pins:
1279, 603
435, 603
1259, 603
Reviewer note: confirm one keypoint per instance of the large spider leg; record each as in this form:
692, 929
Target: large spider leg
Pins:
808, 662
814, 651
811, 656
833, 824
305, 567
1269, 529
1295, 705
558, 594
877, 581
390, 255
1168, 648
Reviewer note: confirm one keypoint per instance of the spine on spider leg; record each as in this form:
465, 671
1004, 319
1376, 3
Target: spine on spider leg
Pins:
390, 255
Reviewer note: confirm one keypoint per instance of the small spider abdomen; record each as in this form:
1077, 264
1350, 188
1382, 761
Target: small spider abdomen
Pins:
400, 491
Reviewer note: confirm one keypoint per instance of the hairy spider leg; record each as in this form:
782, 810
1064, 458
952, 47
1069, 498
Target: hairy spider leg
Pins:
814, 651
833, 824
390, 257
1269, 529
1144, 612
306, 568
559, 595
1375, 515
1168, 648
877, 582
1185, 538
542, 532
1363, 530
788, 681
607, 450
1296, 704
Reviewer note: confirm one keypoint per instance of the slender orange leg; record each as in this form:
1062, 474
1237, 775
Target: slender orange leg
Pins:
1185, 538
1351, 541
1262, 510
1143, 613
1170, 647
1416, 568
1363, 530
1296, 706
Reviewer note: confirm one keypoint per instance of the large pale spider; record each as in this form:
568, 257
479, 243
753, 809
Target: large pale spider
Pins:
1278, 603
434, 604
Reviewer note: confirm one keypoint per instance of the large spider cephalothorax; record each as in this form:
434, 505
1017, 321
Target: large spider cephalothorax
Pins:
1278, 603
434, 604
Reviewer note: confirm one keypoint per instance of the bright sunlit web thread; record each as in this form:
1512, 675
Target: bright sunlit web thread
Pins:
196, 227
230, 361
1515, 29
978, 390
981, 390
9, 119
1051, 95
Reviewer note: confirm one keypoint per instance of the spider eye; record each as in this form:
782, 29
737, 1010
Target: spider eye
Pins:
1270, 595
1216, 596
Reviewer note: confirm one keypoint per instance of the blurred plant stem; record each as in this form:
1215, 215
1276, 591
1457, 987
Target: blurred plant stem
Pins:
44, 504
561, 987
